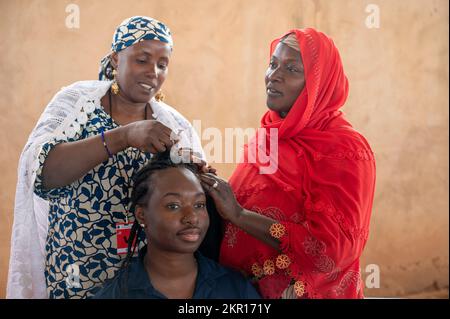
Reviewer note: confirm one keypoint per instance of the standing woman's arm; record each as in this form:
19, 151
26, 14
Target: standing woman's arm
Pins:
67, 162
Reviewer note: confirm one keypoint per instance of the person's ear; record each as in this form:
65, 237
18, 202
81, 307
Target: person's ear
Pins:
140, 216
114, 60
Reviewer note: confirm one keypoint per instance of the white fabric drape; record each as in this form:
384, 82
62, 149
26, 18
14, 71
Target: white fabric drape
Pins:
65, 115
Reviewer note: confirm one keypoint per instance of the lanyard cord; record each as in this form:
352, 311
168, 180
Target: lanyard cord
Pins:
110, 106
126, 181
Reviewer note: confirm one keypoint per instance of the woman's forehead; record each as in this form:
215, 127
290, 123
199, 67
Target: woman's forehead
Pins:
176, 179
150, 47
284, 52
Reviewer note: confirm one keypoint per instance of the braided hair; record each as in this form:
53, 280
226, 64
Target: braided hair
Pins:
142, 187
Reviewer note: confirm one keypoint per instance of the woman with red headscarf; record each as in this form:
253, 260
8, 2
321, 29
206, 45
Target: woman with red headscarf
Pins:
300, 230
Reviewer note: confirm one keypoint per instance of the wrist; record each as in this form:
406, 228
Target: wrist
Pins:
238, 215
123, 137
116, 139
105, 145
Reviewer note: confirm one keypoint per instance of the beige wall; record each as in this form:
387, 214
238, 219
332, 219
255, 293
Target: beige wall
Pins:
399, 98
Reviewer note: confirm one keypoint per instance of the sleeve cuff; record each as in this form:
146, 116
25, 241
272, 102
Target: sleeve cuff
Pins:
39, 189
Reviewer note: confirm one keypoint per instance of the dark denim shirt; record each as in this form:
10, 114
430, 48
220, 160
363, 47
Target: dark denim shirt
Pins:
213, 282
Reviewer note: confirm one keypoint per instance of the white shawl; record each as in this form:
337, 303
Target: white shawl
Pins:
63, 117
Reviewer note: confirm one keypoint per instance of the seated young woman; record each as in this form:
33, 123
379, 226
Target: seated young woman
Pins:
170, 207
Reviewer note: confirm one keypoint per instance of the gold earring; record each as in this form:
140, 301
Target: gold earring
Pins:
115, 86
159, 96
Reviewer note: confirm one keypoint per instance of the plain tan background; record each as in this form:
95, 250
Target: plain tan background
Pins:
398, 99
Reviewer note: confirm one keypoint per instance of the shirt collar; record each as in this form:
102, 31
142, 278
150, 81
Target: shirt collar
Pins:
138, 278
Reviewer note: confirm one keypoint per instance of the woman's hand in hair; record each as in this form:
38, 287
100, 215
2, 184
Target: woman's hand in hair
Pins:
223, 196
149, 136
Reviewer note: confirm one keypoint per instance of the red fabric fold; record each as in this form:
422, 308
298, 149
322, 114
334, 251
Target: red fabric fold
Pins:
322, 191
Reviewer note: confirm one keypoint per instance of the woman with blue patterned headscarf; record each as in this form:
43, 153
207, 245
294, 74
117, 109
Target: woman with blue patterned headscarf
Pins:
130, 32
71, 210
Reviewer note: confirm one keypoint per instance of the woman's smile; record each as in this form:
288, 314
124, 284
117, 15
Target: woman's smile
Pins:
272, 92
147, 87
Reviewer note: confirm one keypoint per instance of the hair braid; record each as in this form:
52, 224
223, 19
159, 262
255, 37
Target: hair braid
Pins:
142, 186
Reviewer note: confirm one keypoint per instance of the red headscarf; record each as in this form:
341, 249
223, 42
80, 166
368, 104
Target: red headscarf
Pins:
321, 195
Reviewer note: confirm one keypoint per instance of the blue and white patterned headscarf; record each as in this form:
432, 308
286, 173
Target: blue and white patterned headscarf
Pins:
132, 31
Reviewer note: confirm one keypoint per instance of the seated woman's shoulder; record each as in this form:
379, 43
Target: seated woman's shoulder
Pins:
228, 282
110, 290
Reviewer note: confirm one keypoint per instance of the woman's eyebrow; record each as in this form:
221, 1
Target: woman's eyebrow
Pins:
179, 195
297, 60
147, 53
292, 60
144, 52
172, 194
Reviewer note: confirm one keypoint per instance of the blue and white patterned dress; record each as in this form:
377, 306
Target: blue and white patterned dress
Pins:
81, 242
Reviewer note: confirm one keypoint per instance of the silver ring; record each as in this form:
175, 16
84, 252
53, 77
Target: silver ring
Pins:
215, 184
